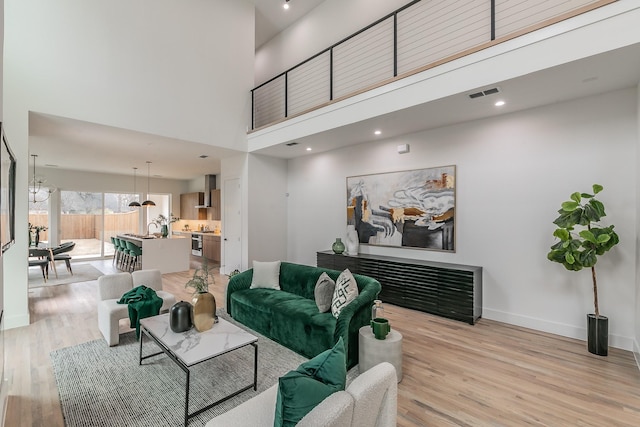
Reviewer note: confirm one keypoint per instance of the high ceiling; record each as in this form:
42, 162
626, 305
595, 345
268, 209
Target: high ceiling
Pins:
76, 145
271, 18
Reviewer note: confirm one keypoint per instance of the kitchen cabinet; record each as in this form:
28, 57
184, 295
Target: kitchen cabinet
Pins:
211, 247
214, 213
188, 203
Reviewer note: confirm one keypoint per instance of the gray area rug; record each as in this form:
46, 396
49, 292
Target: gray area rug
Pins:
81, 273
104, 386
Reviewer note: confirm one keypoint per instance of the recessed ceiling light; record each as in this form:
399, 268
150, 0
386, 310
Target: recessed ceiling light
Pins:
378, 132
308, 148
499, 103
286, 5
203, 156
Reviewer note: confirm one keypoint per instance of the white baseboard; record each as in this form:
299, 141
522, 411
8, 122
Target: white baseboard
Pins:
11, 322
571, 331
636, 353
4, 399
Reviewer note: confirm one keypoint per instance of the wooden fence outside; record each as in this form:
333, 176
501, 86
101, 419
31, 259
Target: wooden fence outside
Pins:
89, 226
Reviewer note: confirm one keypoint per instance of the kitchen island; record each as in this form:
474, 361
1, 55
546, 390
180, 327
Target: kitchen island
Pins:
168, 255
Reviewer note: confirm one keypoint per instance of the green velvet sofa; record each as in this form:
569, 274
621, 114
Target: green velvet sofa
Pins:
290, 316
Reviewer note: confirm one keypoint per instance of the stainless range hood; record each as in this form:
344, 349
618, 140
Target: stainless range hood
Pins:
209, 184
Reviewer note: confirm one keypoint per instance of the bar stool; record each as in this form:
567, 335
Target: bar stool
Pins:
115, 249
135, 256
124, 254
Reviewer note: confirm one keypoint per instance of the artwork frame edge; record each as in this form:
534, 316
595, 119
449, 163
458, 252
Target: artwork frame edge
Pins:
445, 184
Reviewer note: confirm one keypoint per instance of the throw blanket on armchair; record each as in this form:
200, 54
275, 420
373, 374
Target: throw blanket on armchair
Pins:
143, 302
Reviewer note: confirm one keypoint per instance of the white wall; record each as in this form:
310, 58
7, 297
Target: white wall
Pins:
330, 22
513, 172
156, 66
267, 213
161, 67
3, 387
636, 346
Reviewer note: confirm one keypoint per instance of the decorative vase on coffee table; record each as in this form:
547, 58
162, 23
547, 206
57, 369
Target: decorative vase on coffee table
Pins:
204, 311
180, 317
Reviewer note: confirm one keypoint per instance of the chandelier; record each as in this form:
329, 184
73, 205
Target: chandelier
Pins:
36, 185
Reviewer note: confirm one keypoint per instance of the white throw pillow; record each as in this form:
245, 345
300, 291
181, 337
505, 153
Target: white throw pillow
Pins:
266, 275
345, 292
323, 292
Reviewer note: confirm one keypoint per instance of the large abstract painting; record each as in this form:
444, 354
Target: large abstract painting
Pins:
414, 209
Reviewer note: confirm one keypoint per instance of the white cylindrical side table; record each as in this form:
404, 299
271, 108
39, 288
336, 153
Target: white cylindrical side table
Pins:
373, 351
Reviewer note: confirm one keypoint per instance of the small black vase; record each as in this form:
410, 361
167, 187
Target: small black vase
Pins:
598, 334
180, 317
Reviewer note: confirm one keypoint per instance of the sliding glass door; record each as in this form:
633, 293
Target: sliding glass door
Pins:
91, 219
119, 218
80, 214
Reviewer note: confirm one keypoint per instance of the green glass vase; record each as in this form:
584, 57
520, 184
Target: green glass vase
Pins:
338, 246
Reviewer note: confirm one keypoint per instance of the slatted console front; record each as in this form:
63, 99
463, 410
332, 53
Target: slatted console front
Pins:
448, 290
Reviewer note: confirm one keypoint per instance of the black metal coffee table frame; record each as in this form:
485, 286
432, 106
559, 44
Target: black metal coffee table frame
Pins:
185, 368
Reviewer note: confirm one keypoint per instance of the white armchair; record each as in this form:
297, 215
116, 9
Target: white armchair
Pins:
111, 287
370, 400
153, 279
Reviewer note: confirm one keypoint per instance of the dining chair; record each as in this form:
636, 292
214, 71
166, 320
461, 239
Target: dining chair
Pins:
61, 254
40, 258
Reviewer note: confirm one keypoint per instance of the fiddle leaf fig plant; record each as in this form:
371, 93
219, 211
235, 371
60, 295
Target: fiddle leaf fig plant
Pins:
581, 239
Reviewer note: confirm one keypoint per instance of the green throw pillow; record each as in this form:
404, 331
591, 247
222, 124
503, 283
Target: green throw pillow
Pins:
302, 390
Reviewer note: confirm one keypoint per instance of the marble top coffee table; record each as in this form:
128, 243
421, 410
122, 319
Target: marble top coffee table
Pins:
189, 348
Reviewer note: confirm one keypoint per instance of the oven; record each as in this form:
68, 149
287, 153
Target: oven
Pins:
196, 244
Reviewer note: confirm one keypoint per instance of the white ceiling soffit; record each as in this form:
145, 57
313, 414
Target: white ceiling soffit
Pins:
602, 73
78, 145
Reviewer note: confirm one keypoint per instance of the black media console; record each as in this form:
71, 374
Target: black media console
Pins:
448, 290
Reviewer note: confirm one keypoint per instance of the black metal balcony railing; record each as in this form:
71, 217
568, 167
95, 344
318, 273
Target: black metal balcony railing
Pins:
418, 36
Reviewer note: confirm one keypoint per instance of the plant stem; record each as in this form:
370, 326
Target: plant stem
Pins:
595, 290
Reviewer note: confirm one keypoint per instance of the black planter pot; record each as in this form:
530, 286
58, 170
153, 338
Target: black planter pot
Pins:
598, 334
180, 317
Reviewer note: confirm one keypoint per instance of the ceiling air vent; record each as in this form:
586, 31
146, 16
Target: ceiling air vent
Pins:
291, 144
484, 93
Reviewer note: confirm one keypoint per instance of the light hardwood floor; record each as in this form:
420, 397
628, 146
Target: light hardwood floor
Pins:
489, 374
